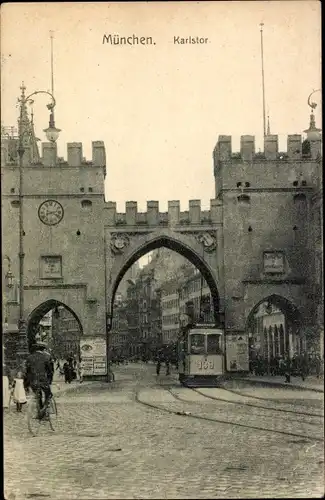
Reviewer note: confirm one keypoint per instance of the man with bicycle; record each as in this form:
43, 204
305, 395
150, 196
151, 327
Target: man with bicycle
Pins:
39, 375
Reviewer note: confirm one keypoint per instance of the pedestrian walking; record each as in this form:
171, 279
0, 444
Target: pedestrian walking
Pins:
19, 394
81, 371
5, 386
167, 360
281, 366
160, 357
318, 364
273, 366
303, 365
67, 373
287, 369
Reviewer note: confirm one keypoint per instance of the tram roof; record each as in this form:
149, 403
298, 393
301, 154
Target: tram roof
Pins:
205, 330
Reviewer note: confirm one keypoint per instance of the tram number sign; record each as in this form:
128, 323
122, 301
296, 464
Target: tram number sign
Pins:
205, 365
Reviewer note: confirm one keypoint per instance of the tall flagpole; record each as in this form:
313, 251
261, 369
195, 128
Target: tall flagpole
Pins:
52, 71
263, 87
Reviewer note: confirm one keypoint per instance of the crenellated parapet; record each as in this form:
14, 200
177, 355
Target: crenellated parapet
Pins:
49, 157
270, 169
74, 155
53, 175
296, 149
194, 216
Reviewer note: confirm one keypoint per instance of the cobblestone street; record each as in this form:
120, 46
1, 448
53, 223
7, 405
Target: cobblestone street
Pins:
109, 446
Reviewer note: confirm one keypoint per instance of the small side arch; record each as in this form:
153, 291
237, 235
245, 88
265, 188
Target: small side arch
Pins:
279, 317
291, 311
39, 312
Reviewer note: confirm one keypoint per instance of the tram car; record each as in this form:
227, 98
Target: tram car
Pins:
201, 358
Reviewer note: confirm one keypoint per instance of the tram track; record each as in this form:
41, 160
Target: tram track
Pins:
208, 418
245, 395
241, 404
282, 410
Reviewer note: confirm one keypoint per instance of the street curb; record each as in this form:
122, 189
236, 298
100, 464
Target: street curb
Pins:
279, 384
57, 393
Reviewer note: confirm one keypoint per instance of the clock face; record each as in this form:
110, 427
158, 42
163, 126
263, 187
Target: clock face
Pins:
50, 212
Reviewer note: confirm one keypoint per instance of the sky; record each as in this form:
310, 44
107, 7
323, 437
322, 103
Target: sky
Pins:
160, 108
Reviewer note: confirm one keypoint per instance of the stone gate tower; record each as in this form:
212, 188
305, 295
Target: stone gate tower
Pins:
63, 237
271, 226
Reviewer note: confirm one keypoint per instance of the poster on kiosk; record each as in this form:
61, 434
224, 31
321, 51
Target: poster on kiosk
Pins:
93, 355
237, 355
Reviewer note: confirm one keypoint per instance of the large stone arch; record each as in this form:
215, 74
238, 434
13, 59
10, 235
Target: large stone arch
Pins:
184, 244
37, 314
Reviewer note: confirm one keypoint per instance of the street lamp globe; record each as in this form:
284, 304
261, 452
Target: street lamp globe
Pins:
52, 133
10, 279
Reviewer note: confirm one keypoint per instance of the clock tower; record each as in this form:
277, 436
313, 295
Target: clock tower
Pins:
63, 201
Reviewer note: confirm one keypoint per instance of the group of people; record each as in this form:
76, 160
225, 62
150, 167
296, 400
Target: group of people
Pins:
72, 369
35, 374
302, 365
164, 355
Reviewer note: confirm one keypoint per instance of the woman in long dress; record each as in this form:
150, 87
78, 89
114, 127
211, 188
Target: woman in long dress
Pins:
81, 371
5, 387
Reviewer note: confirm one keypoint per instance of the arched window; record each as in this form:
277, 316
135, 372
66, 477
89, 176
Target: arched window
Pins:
299, 198
265, 343
244, 199
86, 204
276, 341
282, 343
271, 344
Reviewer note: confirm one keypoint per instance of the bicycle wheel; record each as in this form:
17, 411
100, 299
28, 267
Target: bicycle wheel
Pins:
53, 414
33, 420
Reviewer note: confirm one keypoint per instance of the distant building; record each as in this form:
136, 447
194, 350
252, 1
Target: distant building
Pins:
130, 275
170, 311
119, 335
65, 333
177, 296
194, 289
45, 328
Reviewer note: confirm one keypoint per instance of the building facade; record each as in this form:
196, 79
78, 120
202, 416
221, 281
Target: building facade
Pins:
259, 241
65, 334
170, 311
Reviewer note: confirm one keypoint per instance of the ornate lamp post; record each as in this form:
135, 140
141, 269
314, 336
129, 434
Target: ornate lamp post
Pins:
9, 285
52, 134
9, 276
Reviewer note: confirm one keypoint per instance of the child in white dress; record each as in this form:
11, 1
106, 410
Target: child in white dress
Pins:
19, 394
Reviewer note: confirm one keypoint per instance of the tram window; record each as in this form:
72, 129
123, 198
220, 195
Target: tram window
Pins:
214, 344
197, 343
